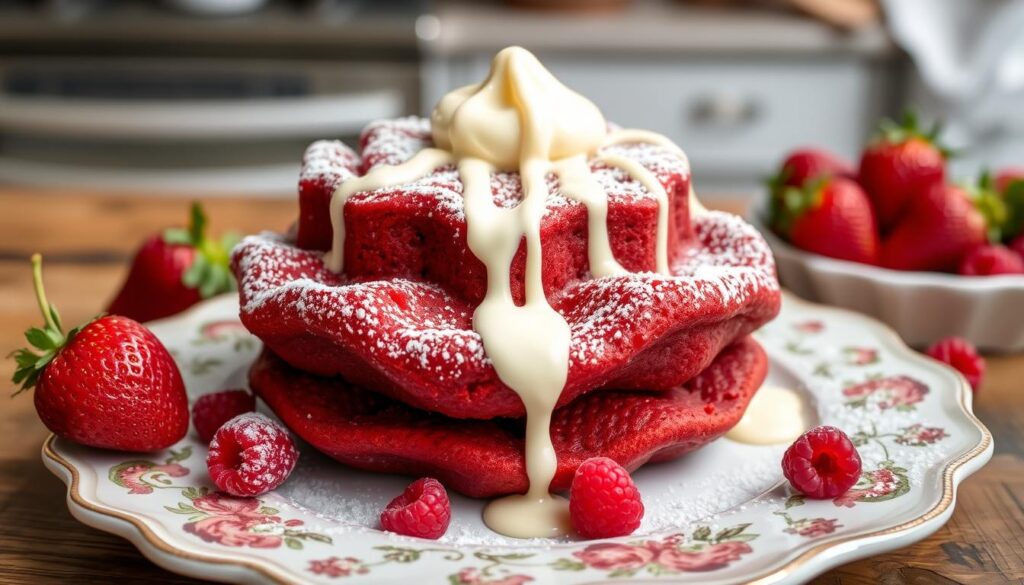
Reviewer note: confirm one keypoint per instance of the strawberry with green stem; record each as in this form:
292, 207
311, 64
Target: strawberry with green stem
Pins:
109, 383
900, 166
831, 217
174, 270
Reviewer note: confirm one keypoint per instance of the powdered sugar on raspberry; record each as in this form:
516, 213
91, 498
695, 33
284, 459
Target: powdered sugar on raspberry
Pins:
250, 455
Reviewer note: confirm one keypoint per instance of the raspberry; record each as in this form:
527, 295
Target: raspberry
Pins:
822, 463
422, 510
603, 502
250, 455
992, 260
213, 410
962, 356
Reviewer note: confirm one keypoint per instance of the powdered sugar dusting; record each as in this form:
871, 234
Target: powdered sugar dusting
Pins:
392, 142
330, 161
676, 494
251, 454
730, 266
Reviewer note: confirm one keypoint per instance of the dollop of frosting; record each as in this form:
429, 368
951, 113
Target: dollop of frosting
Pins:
520, 111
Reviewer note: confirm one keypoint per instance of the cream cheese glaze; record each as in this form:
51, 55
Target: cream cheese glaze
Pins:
522, 118
776, 415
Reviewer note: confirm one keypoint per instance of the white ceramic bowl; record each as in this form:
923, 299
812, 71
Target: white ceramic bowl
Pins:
921, 306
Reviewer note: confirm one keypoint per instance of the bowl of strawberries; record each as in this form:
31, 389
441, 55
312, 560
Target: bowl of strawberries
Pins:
896, 239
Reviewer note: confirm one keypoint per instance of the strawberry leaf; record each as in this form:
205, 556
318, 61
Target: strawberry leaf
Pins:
793, 203
197, 224
38, 338
177, 236
909, 128
1013, 196
47, 340
991, 206
776, 183
20, 374
211, 283
30, 367
43, 359
229, 240
23, 357
74, 332
195, 273
210, 272
55, 317
55, 338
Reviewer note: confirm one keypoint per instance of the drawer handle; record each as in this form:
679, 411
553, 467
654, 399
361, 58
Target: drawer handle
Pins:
723, 110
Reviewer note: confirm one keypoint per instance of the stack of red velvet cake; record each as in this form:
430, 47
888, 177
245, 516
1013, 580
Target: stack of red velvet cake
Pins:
380, 368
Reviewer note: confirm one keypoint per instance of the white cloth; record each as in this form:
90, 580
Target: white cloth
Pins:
969, 55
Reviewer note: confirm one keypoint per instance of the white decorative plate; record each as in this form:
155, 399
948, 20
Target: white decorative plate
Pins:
721, 515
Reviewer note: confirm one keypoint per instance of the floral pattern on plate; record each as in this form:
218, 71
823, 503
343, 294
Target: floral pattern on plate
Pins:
908, 416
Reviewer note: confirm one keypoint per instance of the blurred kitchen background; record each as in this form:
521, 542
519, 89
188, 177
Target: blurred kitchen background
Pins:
173, 96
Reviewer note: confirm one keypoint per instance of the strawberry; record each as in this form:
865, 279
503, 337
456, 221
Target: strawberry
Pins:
991, 260
806, 164
174, 270
900, 166
941, 228
831, 217
1017, 245
109, 384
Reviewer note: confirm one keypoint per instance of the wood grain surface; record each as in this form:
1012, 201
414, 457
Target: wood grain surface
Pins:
86, 239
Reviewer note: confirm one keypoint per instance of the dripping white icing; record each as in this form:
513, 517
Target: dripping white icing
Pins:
521, 118
655, 188
578, 183
423, 163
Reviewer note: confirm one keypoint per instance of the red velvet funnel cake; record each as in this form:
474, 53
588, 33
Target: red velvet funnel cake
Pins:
370, 431
496, 295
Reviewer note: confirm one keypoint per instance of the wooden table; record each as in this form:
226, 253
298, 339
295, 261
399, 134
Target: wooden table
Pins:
86, 240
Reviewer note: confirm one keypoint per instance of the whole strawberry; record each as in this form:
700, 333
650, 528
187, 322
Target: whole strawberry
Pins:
831, 217
899, 167
941, 228
108, 384
174, 270
807, 164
